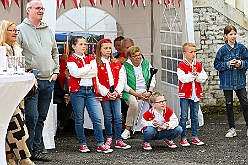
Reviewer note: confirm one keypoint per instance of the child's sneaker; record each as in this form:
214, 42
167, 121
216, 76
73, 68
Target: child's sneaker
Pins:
104, 149
125, 134
170, 143
121, 144
184, 143
197, 141
146, 146
231, 133
84, 148
108, 142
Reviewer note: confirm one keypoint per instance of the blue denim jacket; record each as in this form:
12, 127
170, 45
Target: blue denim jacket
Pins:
231, 78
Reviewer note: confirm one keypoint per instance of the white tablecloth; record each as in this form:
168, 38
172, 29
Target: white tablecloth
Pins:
13, 88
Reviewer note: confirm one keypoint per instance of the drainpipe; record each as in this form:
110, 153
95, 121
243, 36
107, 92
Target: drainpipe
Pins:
152, 27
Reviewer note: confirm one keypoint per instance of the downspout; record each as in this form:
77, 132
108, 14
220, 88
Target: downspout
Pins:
152, 27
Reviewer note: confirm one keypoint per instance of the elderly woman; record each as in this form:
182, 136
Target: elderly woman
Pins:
137, 85
17, 134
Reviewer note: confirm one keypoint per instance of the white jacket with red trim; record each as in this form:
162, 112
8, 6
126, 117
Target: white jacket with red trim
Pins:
169, 116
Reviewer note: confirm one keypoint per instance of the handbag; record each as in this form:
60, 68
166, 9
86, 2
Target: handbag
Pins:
33, 91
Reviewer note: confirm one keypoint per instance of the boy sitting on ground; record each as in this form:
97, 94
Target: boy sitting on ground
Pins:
159, 122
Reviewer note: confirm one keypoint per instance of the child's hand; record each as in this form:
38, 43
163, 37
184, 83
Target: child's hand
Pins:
164, 126
155, 123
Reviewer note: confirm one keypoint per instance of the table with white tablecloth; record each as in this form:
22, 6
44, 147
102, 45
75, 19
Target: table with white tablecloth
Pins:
13, 89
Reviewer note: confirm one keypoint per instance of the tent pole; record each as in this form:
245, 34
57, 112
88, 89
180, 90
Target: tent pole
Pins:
152, 27
22, 15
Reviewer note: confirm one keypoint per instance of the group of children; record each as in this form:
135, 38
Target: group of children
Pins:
103, 79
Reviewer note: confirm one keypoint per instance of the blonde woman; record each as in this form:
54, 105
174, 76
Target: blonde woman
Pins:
17, 134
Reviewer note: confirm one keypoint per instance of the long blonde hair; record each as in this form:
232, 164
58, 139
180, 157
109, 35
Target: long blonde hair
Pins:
4, 25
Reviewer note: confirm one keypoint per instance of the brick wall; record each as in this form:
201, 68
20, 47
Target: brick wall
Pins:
209, 25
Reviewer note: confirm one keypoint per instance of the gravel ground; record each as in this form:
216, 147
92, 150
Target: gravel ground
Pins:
217, 149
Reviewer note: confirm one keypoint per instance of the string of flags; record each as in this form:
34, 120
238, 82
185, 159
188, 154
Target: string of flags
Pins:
7, 3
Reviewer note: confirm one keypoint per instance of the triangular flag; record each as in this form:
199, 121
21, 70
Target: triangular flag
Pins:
3, 2
179, 3
59, 3
112, 2
144, 3
8, 2
159, 2
137, 2
101, 2
63, 2
118, 2
76, 2
93, 2
132, 2
124, 2
17, 2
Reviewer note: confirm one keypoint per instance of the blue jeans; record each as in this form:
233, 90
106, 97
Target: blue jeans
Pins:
185, 104
86, 97
112, 107
242, 95
36, 109
151, 133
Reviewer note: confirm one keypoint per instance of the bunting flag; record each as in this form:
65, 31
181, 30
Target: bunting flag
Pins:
59, 3
77, 2
132, 2
118, 2
124, 3
93, 2
137, 2
144, 3
63, 2
3, 2
8, 2
17, 2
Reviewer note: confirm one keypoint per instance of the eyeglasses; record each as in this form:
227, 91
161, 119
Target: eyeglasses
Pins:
39, 8
161, 102
135, 56
14, 31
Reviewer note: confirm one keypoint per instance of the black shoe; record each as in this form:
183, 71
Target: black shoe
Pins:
40, 157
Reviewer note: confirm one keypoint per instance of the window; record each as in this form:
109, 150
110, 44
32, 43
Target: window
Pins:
171, 45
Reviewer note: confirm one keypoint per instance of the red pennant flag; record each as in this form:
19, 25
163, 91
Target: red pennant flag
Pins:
58, 3
144, 3
179, 3
17, 2
63, 2
118, 2
8, 2
137, 2
172, 2
159, 2
93, 2
3, 2
132, 2
76, 2
112, 3
124, 2
151, 1
101, 2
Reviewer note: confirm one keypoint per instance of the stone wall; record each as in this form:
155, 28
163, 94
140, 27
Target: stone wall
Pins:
209, 27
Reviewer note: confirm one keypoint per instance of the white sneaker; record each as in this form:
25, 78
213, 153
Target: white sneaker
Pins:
125, 134
231, 133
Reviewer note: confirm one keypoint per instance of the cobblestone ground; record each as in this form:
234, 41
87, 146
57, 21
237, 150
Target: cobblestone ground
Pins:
217, 149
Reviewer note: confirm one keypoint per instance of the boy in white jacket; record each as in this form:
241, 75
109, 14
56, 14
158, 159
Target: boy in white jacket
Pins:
159, 122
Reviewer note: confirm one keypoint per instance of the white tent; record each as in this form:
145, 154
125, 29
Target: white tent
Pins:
143, 24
